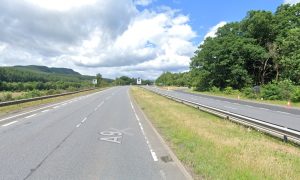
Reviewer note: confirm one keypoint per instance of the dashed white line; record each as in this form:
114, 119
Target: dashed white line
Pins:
4, 125
78, 125
46, 110
56, 107
30, 116
283, 112
84, 120
264, 109
100, 104
229, 107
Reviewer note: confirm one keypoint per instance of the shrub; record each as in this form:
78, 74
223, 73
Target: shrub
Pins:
282, 90
6, 97
215, 89
228, 90
32, 94
296, 95
249, 93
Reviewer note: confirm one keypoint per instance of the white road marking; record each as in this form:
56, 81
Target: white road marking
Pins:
264, 109
283, 112
56, 107
78, 125
229, 107
30, 116
101, 104
84, 120
4, 125
46, 110
153, 154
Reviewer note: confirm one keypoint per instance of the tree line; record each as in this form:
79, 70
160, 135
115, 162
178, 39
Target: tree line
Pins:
263, 50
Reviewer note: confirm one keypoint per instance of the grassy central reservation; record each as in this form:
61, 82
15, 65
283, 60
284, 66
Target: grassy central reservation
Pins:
214, 148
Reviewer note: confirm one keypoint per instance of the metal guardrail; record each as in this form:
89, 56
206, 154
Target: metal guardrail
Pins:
285, 133
7, 103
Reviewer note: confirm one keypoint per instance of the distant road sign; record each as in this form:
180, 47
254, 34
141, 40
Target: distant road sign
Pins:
139, 81
94, 81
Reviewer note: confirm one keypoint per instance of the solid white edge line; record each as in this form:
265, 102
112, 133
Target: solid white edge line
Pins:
153, 154
4, 125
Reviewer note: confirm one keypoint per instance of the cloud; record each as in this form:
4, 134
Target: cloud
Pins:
89, 36
143, 2
213, 30
291, 1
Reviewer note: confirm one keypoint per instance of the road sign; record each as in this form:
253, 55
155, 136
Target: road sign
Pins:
139, 81
94, 81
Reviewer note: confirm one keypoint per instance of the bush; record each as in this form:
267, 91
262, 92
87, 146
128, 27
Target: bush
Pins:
296, 95
228, 90
52, 92
32, 94
215, 89
249, 93
6, 97
282, 90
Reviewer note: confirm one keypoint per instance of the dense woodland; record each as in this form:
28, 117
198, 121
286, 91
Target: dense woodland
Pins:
261, 50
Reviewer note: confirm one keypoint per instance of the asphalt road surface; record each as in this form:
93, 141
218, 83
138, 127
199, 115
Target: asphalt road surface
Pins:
99, 136
283, 116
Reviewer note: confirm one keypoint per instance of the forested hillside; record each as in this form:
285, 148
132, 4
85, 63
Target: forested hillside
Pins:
20, 82
261, 50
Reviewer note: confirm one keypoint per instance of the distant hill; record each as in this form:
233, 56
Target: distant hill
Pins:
33, 73
46, 69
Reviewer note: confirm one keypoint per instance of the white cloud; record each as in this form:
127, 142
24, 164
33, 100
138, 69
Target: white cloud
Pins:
89, 36
213, 30
291, 1
60, 5
143, 2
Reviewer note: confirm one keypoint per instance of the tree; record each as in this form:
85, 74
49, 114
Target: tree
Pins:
99, 79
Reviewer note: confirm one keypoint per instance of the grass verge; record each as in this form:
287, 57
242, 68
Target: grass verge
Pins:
17, 107
215, 148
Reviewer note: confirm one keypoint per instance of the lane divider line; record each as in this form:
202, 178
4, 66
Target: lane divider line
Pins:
84, 120
47, 110
30, 116
4, 125
78, 125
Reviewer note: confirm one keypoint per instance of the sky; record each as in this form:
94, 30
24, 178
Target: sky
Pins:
136, 38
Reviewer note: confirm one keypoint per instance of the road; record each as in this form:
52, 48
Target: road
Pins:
99, 136
286, 117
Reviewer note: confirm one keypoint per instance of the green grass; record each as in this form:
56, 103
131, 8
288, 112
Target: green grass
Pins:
242, 97
17, 107
214, 148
